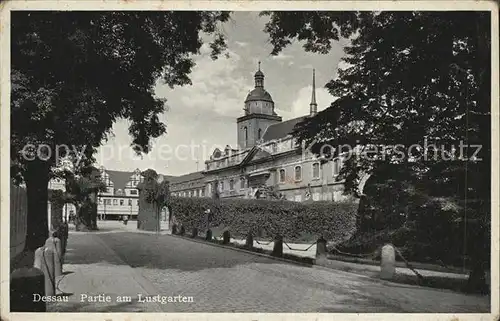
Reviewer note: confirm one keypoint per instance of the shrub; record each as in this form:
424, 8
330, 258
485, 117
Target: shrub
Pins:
333, 221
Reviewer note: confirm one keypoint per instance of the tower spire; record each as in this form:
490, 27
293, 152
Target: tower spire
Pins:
259, 78
313, 106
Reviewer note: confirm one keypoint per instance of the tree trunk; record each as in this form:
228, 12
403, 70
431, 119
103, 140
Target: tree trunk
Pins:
83, 222
37, 181
480, 252
480, 259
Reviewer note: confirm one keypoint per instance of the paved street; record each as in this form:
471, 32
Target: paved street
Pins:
223, 280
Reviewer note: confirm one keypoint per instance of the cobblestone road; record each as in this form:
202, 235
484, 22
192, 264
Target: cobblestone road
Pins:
222, 280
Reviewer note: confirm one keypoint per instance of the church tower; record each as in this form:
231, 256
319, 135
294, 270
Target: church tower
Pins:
259, 114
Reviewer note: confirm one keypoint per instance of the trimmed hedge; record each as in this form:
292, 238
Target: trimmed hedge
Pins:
333, 221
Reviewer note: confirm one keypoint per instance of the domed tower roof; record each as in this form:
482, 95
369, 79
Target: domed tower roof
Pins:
259, 93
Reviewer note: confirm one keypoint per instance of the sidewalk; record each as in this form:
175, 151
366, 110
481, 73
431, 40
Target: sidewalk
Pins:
118, 226
91, 268
306, 250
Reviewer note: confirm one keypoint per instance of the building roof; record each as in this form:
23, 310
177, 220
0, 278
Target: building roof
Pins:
282, 129
187, 177
259, 94
119, 178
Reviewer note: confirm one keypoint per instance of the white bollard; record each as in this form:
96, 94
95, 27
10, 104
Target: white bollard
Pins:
44, 260
54, 243
388, 262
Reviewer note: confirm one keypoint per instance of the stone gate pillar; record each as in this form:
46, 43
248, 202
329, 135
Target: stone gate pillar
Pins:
55, 209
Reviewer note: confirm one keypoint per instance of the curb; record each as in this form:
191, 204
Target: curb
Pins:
316, 265
313, 266
234, 248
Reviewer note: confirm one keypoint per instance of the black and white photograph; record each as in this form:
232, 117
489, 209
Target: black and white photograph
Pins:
286, 159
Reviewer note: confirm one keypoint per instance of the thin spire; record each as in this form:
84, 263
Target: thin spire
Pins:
313, 106
259, 78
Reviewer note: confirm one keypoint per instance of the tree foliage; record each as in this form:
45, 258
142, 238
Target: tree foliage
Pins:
75, 73
156, 191
410, 79
411, 76
81, 189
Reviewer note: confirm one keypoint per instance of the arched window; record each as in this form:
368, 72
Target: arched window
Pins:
231, 185
245, 129
282, 175
259, 134
337, 165
298, 173
315, 169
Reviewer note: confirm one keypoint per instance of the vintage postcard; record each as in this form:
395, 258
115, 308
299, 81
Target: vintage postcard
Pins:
263, 160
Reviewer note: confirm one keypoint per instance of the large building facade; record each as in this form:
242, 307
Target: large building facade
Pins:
120, 198
267, 163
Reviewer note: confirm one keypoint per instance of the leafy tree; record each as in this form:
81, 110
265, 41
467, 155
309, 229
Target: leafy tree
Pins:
74, 73
411, 78
156, 192
82, 189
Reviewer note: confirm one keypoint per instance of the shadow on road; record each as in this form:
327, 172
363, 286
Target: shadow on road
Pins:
156, 252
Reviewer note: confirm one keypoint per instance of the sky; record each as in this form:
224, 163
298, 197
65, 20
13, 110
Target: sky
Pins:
202, 116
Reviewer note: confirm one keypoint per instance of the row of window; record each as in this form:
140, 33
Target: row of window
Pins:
259, 137
114, 201
245, 130
120, 192
193, 193
316, 167
230, 184
135, 180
